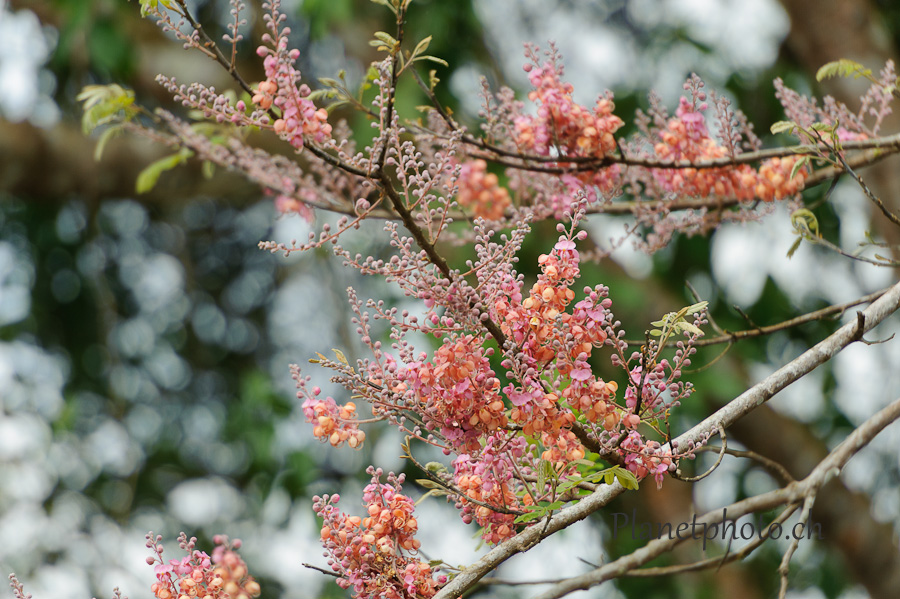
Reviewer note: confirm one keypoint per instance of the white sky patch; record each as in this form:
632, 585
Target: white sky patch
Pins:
607, 230
741, 36
803, 400
24, 86
202, 502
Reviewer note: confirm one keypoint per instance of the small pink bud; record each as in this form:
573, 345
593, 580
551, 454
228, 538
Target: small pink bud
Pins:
262, 51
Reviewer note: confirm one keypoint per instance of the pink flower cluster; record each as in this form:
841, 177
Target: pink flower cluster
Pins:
561, 123
686, 138
481, 191
458, 392
489, 479
332, 423
297, 115
224, 575
547, 333
370, 553
645, 458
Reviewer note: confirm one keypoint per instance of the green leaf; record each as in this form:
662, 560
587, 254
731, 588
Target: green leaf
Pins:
692, 329
430, 484
107, 135
435, 467
782, 126
104, 104
798, 165
530, 516
842, 68
386, 3
627, 479
823, 127
340, 356
440, 61
422, 46
148, 177
433, 79
384, 38
697, 307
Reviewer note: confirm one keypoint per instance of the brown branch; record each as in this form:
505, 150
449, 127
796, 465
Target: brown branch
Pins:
211, 45
433, 256
869, 194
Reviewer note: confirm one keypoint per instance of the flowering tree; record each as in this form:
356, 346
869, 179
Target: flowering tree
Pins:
535, 439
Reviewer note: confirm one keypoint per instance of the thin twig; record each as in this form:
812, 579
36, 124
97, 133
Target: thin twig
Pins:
727, 337
722, 450
774, 468
785, 566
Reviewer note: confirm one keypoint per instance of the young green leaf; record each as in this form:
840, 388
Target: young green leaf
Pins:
782, 126
340, 356
148, 177
627, 479
842, 68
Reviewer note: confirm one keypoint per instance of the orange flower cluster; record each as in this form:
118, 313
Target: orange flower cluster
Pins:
775, 182
497, 526
299, 117
223, 576
368, 552
333, 423
686, 138
482, 191
388, 524
458, 392
561, 123
540, 324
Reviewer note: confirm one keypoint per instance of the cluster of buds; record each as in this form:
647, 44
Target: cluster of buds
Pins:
371, 554
481, 191
197, 575
645, 458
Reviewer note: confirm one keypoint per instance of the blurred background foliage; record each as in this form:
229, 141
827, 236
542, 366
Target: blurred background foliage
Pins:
145, 341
